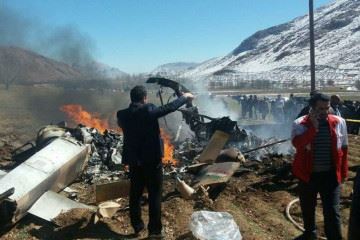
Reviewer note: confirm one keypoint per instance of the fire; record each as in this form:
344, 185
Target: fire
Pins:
79, 115
168, 149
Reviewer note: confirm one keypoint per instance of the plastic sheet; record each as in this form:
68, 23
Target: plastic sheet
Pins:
206, 225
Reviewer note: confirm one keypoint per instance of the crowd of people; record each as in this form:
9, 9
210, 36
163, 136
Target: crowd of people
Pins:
279, 109
286, 109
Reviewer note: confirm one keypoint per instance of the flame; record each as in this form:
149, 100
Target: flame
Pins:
168, 148
77, 114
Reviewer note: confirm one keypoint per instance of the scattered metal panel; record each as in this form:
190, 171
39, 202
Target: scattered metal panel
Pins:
6, 194
213, 148
230, 155
2, 174
48, 133
22, 153
113, 190
52, 168
195, 168
216, 173
51, 204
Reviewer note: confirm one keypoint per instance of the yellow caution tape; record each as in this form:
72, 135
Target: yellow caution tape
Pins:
353, 120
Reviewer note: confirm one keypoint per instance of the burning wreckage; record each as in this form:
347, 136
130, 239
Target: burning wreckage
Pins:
60, 155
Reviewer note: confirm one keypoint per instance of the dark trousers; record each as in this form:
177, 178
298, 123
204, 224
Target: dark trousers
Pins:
326, 184
150, 177
354, 222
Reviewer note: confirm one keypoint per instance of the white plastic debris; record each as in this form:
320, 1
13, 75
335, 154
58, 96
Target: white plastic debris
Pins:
70, 190
108, 209
185, 190
116, 157
87, 138
206, 225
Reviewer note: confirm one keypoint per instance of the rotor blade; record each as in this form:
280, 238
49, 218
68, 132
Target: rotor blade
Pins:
168, 83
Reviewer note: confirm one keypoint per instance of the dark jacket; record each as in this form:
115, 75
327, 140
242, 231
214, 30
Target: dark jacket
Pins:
142, 142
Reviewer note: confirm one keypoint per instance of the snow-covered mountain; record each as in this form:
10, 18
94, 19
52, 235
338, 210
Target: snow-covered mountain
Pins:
176, 68
282, 52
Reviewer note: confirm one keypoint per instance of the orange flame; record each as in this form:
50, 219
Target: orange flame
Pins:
168, 149
77, 114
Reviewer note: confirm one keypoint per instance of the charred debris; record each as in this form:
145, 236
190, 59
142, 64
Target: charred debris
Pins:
105, 160
60, 155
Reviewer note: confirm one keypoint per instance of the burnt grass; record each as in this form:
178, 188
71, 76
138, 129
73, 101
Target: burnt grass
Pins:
256, 196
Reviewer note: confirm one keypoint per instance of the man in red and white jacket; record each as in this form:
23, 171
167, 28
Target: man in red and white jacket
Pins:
320, 164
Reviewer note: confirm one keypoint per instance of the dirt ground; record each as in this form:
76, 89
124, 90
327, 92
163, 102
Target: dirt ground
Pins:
256, 196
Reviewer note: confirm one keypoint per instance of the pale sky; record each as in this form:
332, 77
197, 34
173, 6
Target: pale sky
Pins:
139, 35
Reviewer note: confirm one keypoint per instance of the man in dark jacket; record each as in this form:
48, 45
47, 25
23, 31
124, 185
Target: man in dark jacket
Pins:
142, 151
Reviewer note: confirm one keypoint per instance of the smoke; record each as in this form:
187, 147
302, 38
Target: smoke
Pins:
270, 130
64, 43
68, 45
211, 105
14, 29
207, 104
215, 106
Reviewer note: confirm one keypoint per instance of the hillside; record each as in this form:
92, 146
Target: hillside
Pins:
24, 66
282, 52
174, 68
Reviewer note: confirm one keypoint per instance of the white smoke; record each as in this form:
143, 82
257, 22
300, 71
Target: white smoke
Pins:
209, 104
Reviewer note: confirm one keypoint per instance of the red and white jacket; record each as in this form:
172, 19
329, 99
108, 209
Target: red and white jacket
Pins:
303, 135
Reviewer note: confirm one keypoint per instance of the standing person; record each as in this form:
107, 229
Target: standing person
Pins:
244, 106
263, 108
256, 105
250, 106
272, 109
279, 108
290, 109
335, 102
142, 151
320, 164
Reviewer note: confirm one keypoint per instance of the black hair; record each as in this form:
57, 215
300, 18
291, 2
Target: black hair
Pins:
318, 97
313, 92
138, 93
